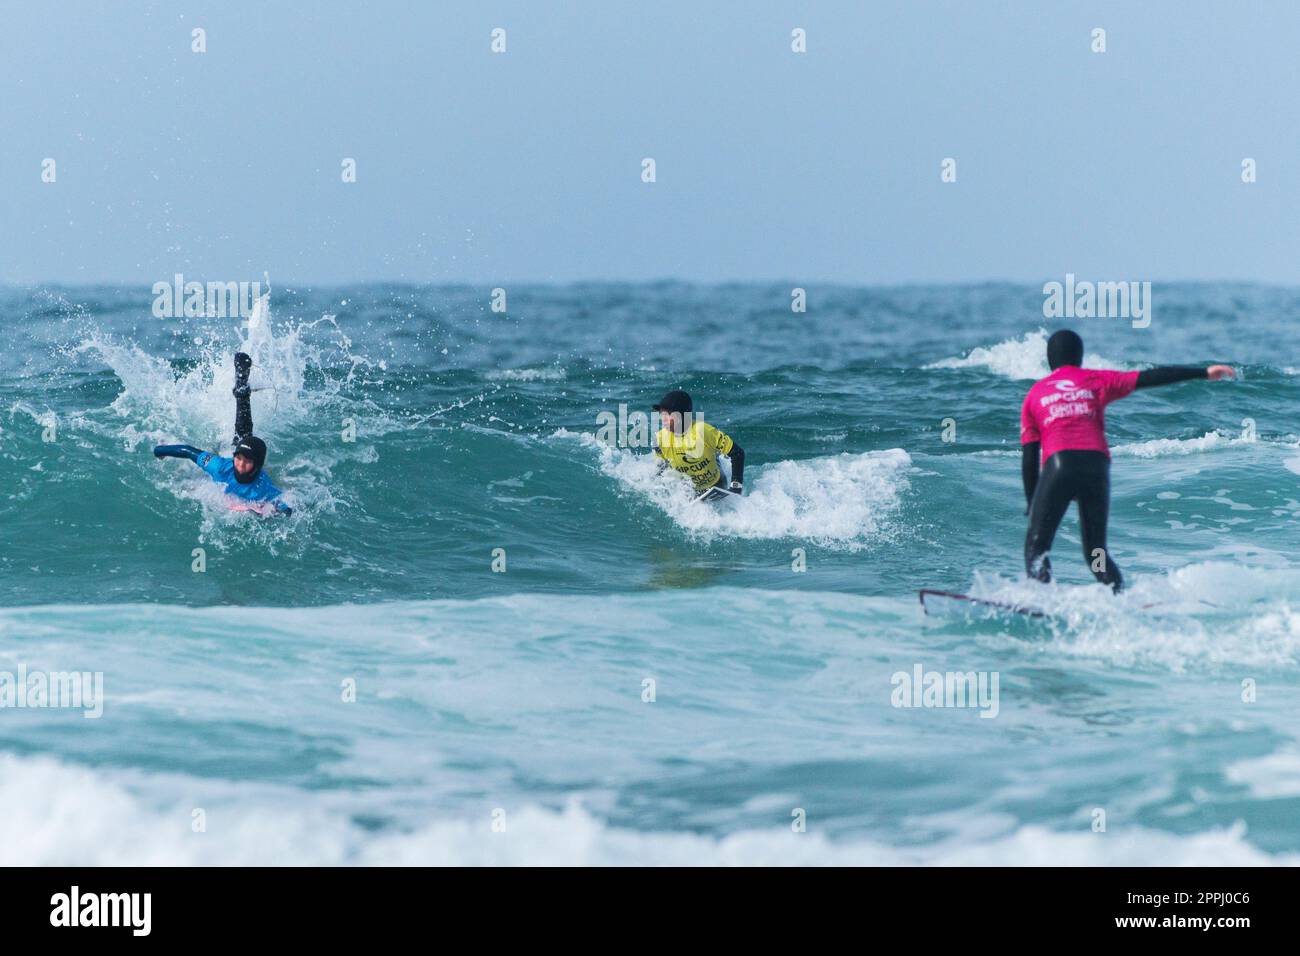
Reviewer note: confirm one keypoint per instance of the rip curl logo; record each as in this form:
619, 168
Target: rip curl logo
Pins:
1066, 393
131, 910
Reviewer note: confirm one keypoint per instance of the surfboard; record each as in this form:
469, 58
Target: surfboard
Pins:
724, 466
264, 508
936, 596
703, 495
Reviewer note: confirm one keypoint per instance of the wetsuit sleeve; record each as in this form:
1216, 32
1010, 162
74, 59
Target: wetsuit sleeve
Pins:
737, 457
1029, 453
243, 405
243, 417
1168, 374
177, 451
210, 463
724, 444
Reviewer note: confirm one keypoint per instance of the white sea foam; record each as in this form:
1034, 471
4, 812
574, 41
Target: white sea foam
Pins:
1274, 776
161, 405
1022, 358
1201, 616
1163, 447
526, 375
63, 815
845, 500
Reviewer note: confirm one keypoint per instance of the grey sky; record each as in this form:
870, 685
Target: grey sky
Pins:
526, 166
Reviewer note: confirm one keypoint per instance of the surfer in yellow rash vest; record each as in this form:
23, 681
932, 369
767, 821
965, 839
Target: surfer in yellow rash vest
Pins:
689, 445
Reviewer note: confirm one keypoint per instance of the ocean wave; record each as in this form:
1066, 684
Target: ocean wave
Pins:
1274, 776
526, 375
1202, 616
1162, 447
64, 815
845, 501
1022, 358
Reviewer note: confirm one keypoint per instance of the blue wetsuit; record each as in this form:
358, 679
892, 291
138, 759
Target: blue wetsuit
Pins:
222, 471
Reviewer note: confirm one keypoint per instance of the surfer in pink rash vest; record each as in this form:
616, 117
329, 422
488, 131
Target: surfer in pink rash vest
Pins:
1064, 455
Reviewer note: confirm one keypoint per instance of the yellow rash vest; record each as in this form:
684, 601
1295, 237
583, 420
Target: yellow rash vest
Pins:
695, 452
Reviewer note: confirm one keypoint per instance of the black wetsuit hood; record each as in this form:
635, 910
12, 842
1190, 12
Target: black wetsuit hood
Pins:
1064, 348
674, 401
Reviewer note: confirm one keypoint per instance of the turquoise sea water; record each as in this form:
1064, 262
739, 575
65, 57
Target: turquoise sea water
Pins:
519, 697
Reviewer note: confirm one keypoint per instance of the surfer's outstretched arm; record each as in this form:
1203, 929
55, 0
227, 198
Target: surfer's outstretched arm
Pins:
178, 451
1169, 374
243, 405
243, 415
1029, 453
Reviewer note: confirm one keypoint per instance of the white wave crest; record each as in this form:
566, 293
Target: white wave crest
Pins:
1022, 358
1202, 616
62, 815
526, 375
844, 501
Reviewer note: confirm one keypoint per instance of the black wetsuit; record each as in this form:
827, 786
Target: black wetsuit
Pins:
1083, 477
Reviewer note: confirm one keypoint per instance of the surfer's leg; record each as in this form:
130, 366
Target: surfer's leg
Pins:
1094, 514
1051, 497
243, 404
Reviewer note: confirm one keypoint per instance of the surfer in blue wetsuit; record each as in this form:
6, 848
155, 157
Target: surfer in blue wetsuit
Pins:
242, 473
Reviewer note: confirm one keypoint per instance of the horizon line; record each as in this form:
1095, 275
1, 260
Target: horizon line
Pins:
663, 280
